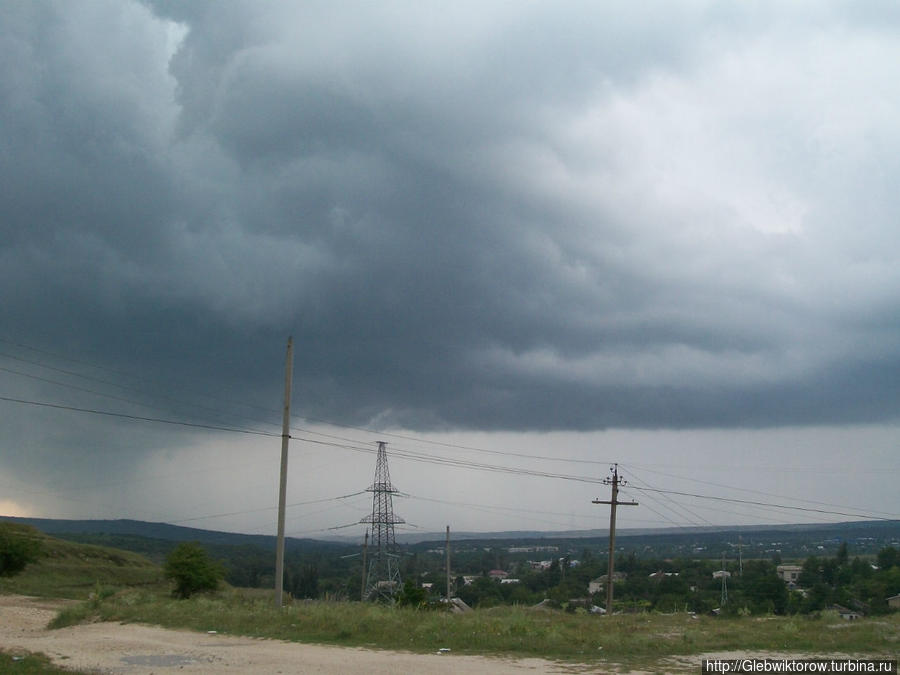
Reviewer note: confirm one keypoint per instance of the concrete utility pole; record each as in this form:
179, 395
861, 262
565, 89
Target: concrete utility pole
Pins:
282, 487
615, 482
449, 594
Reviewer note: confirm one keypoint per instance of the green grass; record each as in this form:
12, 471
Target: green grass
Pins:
638, 640
70, 570
17, 661
120, 586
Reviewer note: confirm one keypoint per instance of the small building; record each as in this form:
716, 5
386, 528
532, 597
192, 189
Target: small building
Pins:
894, 602
498, 574
718, 574
789, 574
846, 613
509, 581
598, 585
659, 576
540, 565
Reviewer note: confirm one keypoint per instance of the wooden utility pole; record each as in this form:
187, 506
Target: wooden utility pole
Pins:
362, 588
615, 482
449, 595
724, 599
282, 487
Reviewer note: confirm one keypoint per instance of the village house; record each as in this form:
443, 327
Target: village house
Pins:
599, 584
845, 613
789, 574
539, 565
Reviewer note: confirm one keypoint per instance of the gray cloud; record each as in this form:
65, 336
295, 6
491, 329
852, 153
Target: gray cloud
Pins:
504, 217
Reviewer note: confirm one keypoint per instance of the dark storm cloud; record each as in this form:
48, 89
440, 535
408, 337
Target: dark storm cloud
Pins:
531, 216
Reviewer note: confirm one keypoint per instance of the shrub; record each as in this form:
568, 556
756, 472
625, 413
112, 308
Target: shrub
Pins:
411, 596
192, 570
19, 546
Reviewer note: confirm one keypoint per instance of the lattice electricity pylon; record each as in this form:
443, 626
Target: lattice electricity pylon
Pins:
383, 578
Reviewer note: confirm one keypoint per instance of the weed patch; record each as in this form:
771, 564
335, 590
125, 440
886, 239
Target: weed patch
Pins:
638, 639
18, 661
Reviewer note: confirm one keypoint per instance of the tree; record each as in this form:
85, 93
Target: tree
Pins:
842, 556
888, 557
764, 589
192, 570
482, 592
19, 546
306, 582
411, 595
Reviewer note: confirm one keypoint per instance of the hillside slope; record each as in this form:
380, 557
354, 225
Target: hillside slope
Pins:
70, 570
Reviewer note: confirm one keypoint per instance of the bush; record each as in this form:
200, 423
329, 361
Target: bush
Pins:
19, 546
411, 596
192, 570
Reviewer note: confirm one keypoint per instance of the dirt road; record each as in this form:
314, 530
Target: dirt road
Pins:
128, 648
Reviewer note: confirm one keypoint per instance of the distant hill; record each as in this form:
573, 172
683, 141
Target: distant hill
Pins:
164, 532
848, 528
154, 538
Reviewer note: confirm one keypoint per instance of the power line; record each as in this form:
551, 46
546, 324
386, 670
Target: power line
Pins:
432, 459
76, 387
266, 422
140, 378
448, 461
454, 446
169, 399
662, 515
500, 510
265, 508
542, 474
674, 503
65, 358
758, 492
779, 506
157, 420
758, 512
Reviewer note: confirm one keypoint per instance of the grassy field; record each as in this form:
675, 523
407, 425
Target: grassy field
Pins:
69, 570
639, 639
121, 586
14, 661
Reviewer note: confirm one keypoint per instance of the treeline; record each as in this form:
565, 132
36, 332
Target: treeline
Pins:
692, 585
671, 585
858, 584
678, 584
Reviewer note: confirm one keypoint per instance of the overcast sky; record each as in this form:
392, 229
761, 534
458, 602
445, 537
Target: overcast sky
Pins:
661, 234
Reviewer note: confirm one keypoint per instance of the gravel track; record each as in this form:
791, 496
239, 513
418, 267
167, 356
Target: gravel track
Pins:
140, 649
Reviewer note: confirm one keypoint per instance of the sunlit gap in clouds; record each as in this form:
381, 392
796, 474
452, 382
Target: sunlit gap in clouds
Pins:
12, 509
